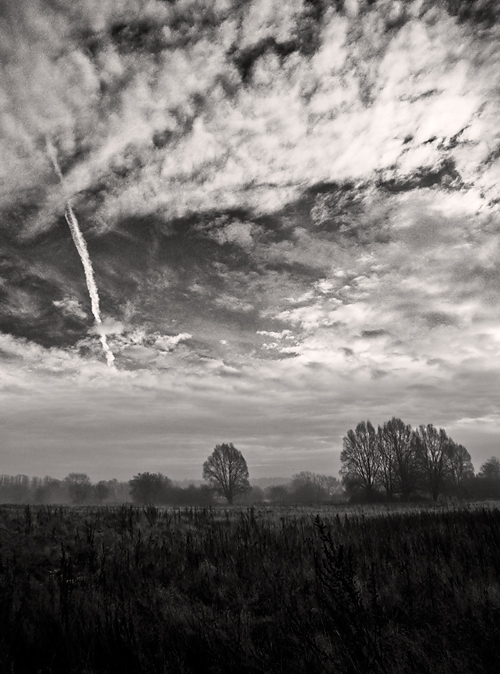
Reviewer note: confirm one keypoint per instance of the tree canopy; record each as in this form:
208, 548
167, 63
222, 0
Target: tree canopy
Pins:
226, 471
396, 460
150, 488
79, 487
490, 469
361, 457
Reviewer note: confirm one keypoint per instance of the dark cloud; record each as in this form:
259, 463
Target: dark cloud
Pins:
439, 318
478, 12
373, 334
445, 175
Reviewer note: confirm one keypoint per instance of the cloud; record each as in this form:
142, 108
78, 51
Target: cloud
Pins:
231, 303
490, 420
109, 326
239, 233
70, 307
284, 334
168, 343
292, 214
159, 116
304, 401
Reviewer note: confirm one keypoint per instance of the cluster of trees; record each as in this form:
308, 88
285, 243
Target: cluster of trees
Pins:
76, 488
486, 483
225, 472
307, 487
226, 475
396, 460
392, 461
158, 489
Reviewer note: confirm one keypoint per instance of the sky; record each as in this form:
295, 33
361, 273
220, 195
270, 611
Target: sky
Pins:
292, 214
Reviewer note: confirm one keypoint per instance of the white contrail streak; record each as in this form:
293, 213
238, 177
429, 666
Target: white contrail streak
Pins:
83, 252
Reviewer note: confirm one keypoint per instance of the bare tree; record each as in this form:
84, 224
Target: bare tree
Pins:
361, 458
490, 469
226, 471
399, 457
151, 488
460, 466
487, 483
311, 487
432, 451
387, 474
79, 487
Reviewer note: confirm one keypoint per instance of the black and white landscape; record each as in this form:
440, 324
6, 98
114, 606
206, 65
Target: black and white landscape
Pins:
264, 232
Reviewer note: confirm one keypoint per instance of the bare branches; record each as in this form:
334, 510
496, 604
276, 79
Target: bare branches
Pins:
226, 471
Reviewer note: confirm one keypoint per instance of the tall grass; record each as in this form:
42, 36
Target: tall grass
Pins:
131, 590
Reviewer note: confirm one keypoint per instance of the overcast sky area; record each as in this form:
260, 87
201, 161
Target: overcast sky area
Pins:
293, 215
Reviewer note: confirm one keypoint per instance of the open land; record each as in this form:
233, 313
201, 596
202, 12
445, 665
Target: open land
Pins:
122, 589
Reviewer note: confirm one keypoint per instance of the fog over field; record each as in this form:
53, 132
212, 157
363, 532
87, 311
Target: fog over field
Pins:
291, 214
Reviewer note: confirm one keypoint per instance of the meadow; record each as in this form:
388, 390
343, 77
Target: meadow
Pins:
123, 589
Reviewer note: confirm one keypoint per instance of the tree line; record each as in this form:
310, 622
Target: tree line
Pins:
226, 475
74, 488
393, 461
396, 461
78, 489
158, 489
226, 478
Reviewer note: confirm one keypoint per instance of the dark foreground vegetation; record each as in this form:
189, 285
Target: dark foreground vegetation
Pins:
127, 589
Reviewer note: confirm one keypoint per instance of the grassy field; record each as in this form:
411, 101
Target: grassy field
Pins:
332, 589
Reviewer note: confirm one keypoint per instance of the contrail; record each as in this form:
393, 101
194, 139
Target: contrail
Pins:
83, 252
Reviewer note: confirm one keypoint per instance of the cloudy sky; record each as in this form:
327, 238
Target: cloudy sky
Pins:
293, 216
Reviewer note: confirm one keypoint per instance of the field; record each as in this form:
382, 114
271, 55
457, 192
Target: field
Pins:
215, 590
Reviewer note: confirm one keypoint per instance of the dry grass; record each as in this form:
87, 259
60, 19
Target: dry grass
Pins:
383, 589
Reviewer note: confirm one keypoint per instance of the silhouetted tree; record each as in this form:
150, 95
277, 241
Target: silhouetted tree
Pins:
361, 459
432, 451
226, 471
387, 473
50, 490
487, 482
14, 488
399, 458
490, 469
310, 487
460, 468
79, 487
102, 491
150, 488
